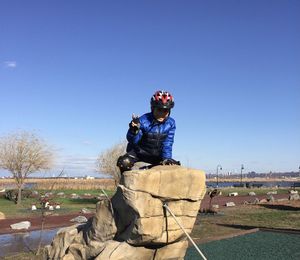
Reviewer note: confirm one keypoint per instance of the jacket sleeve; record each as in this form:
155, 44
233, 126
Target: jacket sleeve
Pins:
168, 143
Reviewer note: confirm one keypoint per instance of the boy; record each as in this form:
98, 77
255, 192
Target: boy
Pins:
150, 137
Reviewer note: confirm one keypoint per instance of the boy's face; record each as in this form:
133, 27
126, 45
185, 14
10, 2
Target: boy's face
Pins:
160, 114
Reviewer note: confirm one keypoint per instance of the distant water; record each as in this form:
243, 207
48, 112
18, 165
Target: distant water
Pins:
29, 185
264, 183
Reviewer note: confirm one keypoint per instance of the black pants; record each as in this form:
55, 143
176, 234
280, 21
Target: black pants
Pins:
127, 161
155, 160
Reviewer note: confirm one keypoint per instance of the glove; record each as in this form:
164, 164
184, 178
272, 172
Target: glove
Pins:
134, 125
170, 162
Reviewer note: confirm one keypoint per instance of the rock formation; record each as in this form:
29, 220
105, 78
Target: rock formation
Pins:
134, 224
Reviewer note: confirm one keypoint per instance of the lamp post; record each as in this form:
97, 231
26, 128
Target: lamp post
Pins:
218, 167
242, 168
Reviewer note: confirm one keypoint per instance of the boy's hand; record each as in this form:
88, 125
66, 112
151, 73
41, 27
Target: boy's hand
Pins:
135, 124
170, 162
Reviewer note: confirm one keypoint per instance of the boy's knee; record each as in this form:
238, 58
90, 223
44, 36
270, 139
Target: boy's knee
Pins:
125, 162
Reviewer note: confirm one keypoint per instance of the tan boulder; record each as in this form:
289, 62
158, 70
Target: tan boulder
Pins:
142, 203
146, 205
62, 241
123, 251
103, 224
184, 208
172, 251
68, 257
78, 251
168, 182
157, 230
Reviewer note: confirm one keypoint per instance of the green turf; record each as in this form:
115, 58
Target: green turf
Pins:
259, 245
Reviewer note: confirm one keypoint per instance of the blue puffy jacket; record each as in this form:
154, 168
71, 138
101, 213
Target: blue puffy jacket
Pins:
154, 139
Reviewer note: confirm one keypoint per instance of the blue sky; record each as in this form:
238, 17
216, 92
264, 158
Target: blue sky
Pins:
75, 71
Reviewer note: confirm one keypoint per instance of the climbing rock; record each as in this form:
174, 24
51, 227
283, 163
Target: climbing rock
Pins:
103, 226
172, 182
172, 251
135, 224
61, 242
122, 251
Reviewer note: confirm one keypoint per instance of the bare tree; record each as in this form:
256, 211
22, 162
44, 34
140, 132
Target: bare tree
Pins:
107, 161
23, 153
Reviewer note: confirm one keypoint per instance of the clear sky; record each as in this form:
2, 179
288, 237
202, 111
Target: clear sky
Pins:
74, 72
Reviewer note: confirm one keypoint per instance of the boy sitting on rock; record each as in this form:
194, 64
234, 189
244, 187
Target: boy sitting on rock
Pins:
150, 137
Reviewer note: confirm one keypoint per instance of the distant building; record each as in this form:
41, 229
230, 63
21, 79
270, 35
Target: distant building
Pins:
89, 177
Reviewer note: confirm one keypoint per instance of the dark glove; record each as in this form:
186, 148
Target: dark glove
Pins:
170, 162
134, 125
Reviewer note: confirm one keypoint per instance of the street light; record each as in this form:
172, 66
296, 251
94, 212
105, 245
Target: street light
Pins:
218, 167
242, 168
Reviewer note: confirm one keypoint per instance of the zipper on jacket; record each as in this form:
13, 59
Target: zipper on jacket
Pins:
158, 136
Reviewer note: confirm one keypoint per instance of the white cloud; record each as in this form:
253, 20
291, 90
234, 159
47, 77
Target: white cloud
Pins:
79, 163
10, 64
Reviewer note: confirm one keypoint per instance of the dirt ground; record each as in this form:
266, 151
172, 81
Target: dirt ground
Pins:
50, 222
238, 200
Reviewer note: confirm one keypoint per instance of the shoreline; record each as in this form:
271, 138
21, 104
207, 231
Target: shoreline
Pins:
254, 180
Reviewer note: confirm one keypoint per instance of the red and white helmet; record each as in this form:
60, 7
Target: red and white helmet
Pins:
162, 99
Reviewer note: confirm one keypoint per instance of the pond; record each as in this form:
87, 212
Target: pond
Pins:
24, 242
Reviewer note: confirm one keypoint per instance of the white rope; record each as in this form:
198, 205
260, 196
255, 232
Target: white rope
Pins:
188, 236
105, 194
110, 203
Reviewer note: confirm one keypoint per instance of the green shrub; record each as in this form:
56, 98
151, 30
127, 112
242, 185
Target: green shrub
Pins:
13, 194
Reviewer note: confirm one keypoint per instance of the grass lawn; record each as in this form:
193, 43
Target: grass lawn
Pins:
68, 205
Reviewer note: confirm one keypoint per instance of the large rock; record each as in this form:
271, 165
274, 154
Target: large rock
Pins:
79, 219
122, 251
134, 224
61, 242
103, 226
21, 225
163, 182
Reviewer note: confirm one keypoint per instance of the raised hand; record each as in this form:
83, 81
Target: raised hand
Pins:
135, 124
